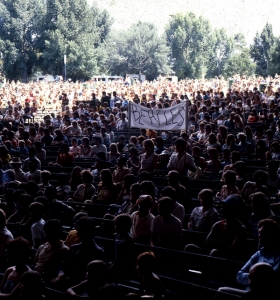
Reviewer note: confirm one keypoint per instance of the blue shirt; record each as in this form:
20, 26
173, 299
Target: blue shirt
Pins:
272, 259
215, 115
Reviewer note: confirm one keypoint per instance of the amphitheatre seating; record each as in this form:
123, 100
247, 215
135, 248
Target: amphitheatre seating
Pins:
186, 266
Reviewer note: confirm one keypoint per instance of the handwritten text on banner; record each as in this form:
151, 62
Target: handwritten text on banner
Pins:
171, 118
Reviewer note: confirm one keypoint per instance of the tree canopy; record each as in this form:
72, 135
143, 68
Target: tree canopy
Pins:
139, 50
35, 36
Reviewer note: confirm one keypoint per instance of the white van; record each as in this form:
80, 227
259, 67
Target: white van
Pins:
46, 78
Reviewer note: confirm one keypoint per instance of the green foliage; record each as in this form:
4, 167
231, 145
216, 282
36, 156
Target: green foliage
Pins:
239, 63
76, 30
138, 50
261, 50
20, 31
190, 40
274, 65
35, 36
222, 48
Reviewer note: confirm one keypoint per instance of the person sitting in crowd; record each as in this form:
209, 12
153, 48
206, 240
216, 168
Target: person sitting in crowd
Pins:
181, 161
18, 252
107, 189
63, 188
227, 237
148, 160
96, 284
5, 235
257, 185
121, 171
37, 211
142, 220
230, 186
86, 190
98, 147
64, 159
213, 165
122, 263
205, 216
49, 256
269, 237
166, 229
260, 211
178, 209
79, 255
150, 284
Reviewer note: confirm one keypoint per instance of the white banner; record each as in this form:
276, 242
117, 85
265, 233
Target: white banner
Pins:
171, 118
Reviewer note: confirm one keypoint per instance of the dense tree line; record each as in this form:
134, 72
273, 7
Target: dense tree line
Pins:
35, 36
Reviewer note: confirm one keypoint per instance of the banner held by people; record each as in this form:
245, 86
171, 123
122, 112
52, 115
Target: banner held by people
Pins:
171, 118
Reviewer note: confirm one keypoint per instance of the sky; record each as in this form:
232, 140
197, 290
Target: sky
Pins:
244, 16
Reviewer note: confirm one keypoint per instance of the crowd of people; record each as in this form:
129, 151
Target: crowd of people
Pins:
65, 152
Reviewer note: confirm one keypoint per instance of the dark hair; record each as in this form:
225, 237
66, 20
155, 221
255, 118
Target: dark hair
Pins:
213, 151
98, 138
19, 248
85, 227
181, 143
146, 262
107, 178
260, 204
167, 203
150, 144
134, 150
230, 176
53, 229
87, 174
50, 192
145, 175
239, 164
261, 175
37, 209
33, 283
208, 196
149, 186
273, 228
124, 221
64, 147
170, 192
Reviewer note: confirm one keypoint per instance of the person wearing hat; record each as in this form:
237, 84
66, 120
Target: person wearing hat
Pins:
19, 174
163, 161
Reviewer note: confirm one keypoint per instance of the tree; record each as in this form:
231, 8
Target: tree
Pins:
190, 40
76, 30
239, 63
222, 48
20, 31
139, 50
274, 66
261, 50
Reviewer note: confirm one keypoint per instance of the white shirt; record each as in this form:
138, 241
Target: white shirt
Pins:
74, 130
141, 227
20, 176
37, 231
179, 165
179, 211
95, 149
164, 230
5, 237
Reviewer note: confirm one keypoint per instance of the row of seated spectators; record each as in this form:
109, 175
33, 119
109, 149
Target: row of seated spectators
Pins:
141, 190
